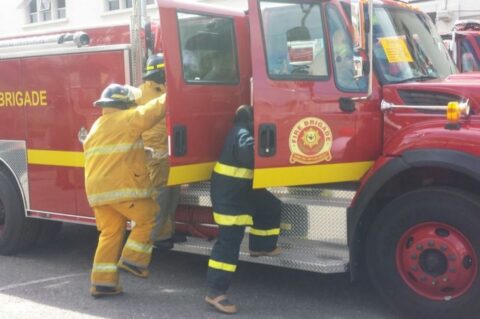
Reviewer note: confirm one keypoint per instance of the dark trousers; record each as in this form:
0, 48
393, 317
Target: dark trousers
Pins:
224, 257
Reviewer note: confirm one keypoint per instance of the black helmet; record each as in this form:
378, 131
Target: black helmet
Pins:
244, 116
155, 69
117, 96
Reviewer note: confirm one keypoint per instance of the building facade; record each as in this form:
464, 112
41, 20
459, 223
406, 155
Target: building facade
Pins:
446, 12
21, 17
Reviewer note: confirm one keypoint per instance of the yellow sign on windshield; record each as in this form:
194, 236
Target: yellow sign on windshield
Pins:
396, 49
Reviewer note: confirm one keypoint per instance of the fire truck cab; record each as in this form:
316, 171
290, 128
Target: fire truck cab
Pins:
363, 129
464, 45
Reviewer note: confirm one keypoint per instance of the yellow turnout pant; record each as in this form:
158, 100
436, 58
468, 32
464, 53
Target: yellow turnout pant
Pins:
111, 222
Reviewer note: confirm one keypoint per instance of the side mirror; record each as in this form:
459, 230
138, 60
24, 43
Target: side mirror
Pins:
361, 44
358, 36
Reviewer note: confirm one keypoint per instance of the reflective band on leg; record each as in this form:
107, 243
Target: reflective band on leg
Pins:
139, 247
221, 266
265, 232
229, 220
105, 267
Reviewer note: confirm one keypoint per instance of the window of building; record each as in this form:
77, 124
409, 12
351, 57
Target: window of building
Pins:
294, 40
208, 49
113, 5
45, 10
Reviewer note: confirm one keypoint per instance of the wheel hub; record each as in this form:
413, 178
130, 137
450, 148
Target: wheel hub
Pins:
433, 262
436, 261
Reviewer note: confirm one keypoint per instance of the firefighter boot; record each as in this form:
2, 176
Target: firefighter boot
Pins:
100, 291
277, 251
134, 270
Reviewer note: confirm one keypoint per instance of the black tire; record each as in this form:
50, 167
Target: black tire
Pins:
48, 232
17, 232
416, 210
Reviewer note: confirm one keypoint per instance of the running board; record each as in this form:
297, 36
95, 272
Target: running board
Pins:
296, 254
313, 228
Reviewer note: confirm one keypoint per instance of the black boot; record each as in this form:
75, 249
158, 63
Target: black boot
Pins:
166, 244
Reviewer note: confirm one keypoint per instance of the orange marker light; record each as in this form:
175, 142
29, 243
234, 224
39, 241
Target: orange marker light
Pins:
453, 112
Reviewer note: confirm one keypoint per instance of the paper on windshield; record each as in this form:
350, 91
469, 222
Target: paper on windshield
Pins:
396, 49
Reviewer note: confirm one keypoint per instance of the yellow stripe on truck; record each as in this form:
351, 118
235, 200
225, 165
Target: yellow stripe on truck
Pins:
262, 177
310, 174
55, 158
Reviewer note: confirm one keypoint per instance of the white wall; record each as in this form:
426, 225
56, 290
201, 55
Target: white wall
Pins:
449, 11
79, 14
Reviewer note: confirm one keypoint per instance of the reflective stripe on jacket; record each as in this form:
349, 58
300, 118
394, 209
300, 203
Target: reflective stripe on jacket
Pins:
231, 184
115, 169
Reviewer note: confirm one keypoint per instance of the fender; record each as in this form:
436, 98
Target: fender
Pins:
358, 216
433, 135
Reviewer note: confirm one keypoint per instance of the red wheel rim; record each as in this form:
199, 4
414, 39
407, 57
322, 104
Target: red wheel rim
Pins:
436, 261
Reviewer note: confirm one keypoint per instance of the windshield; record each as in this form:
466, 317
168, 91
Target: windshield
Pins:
407, 47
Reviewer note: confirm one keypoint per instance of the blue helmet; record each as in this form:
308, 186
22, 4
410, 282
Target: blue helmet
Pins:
116, 96
155, 69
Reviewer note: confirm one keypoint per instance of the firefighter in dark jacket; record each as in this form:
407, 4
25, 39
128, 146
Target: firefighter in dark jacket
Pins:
237, 205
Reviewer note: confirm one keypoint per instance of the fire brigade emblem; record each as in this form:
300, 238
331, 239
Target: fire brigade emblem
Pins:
310, 141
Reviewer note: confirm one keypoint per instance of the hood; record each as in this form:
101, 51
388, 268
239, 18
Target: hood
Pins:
455, 87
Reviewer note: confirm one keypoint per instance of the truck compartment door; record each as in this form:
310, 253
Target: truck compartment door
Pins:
208, 77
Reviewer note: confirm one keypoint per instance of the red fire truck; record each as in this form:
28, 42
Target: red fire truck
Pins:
370, 139
464, 45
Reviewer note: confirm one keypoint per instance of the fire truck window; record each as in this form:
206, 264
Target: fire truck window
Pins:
470, 61
342, 53
208, 49
294, 40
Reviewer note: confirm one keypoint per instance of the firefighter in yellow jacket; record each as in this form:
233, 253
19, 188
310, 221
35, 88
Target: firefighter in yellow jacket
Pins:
118, 186
155, 141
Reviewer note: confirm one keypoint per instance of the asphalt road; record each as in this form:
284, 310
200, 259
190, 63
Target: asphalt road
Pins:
52, 282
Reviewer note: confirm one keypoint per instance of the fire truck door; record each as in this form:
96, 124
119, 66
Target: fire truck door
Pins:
308, 127
207, 71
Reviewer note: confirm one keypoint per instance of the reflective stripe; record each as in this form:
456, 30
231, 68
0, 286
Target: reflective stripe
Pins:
229, 220
221, 266
265, 232
120, 96
105, 267
117, 148
127, 193
153, 67
139, 247
233, 171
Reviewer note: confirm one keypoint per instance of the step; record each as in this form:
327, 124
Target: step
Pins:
315, 256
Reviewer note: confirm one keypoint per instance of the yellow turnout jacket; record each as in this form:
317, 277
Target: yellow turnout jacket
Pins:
156, 138
115, 169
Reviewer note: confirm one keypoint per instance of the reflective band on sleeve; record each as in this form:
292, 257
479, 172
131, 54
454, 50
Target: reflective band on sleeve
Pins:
139, 247
105, 267
221, 266
265, 232
233, 171
229, 220
130, 193
117, 148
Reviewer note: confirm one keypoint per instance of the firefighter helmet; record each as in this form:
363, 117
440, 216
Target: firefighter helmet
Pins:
155, 69
117, 96
244, 115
